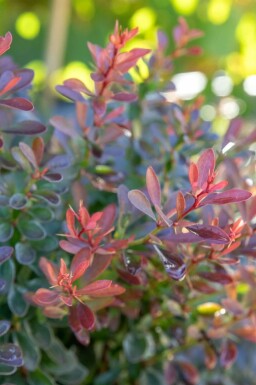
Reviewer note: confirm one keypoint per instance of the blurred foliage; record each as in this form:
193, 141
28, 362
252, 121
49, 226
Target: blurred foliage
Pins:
229, 27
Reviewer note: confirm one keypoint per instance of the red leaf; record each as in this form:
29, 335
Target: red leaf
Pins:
193, 175
38, 149
106, 219
68, 300
98, 265
70, 247
46, 297
127, 60
234, 195
205, 165
70, 219
83, 216
214, 233
141, 202
54, 312
210, 358
153, 186
228, 354
102, 288
219, 186
189, 372
5, 42
86, 316
124, 97
203, 287
130, 278
49, 270
80, 263
63, 267
18, 103
180, 204
218, 277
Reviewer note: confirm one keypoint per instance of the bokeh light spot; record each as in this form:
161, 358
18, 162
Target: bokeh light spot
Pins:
84, 9
246, 29
39, 69
184, 7
222, 84
75, 69
144, 18
28, 25
120, 7
218, 11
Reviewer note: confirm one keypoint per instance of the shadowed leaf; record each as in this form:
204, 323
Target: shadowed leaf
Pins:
141, 202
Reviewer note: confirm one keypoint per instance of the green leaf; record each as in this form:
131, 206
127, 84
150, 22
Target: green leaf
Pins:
107, 377
42, 334
75, 376
138, 346
25, 255
40, 378
21, 159
49, 243
7, 272
6, 231
30, 229
151, 376
16, 302
43, 214
48, 196
29, 349
18, 201
7, 370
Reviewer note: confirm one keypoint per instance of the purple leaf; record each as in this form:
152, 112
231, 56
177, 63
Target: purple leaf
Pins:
58, 161
5, 253
49, 196
63, 125
26, 127
173, 264
153, 186
218, 277
234, 195
18, 103
205, 165
228, 354
70, 94
124, 97
26, 76
184, 238
141, 202
4, 327
10, 355
214, 233
53, 177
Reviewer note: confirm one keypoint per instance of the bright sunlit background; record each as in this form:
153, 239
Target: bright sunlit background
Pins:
50, 37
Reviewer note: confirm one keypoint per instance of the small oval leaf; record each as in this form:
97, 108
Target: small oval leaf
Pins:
18, 201
141, 202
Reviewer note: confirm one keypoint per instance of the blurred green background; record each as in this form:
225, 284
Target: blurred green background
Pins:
50, 37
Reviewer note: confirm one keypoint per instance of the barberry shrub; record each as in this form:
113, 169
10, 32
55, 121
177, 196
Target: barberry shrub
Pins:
127, 231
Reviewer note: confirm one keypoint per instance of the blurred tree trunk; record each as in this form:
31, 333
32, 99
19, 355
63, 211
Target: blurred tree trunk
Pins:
57, 36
